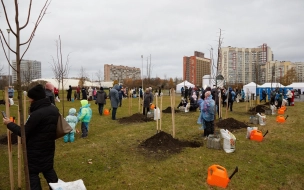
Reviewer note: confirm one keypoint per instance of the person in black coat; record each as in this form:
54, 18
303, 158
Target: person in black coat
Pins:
84, 93
69, 95
40, 132
101, 100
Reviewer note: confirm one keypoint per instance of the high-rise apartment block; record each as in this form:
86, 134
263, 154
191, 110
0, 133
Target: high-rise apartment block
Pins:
243, 65
274, 70
114, 72
29, 70
195, 67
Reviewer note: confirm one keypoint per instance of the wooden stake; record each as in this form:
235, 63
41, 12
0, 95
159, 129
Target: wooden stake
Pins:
173, 111
220, 106
156, 112
129, 94
9, 140
131, 104
226, 115
160, 110
138, 101
19, 154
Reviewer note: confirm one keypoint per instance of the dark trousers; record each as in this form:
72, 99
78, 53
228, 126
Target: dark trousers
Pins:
50, 176
209, 128
146, 110
289, 101
100, 108
230, 104
84, 129
114, 113
272, 101
120, 102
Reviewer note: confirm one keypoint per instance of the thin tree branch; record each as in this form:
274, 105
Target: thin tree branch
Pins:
28, 16
6, 55
9, 25
6, 42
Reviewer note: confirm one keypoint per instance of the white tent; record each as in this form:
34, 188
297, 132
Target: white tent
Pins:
182, 84
297, 85
250, 87
273, 85
74, 83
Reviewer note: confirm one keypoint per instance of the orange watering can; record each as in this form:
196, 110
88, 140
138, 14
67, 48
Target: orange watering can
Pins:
284, 108
257, 135
217, 176
281, 111
281, 119
152, 106
106, 112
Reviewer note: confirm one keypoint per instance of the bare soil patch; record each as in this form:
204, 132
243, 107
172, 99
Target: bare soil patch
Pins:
135, 118
14, 139
164, 143
231, 124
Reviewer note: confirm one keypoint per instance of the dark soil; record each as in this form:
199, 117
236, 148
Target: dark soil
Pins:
164, 143
135, 118
14, 139
259, 108
168, 110
231, 124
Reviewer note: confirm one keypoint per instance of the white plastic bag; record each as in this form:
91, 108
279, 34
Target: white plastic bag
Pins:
284, 102
273, 109
57, 99
187, 107
262, 119
61, 185
156, 114
229, 141
249, 129
11, 101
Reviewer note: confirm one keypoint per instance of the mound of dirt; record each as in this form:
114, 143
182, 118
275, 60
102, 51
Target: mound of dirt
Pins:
259, 109
14, 139
231, 124
164, 142
168, 110
135, 118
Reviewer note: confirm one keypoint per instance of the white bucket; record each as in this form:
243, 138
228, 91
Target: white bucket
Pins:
262, 119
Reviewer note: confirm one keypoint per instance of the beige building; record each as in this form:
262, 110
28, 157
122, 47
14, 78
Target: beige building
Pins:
114, 72
240, 65
273, 70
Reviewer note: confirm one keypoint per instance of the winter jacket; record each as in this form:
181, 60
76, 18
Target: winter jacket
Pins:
289, 94
207, 109
231, 95
101, 97
114, 96
85, 112
10, 92
148, 99
72, 119
50, 95
40, 132
90, 91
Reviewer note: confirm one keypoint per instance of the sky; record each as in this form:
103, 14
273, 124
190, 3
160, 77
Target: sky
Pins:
118, 32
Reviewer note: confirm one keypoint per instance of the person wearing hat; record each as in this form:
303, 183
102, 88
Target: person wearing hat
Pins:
40, 130
101, 97
49, 91
207, 114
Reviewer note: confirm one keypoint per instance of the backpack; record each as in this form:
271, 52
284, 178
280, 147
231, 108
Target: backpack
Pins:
230, 96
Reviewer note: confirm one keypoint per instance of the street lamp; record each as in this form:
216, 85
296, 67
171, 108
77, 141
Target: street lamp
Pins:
9, 59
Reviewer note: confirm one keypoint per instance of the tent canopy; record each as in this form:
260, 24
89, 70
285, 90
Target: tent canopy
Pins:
274, 85
250, 87
182, 84
74, 83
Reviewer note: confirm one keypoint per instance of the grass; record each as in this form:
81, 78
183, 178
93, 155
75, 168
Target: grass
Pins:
118, 163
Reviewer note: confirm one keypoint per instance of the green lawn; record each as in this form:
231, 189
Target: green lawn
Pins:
118, 163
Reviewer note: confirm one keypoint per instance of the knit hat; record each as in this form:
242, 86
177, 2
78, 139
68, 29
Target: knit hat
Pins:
101, 88
36, 93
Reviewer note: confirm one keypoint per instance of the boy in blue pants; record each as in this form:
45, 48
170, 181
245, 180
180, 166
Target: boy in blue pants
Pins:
85, 115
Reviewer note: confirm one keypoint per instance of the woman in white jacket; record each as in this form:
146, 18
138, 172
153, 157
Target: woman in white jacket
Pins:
289, 96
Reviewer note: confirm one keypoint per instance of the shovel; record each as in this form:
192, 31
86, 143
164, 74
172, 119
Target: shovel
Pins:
235, 171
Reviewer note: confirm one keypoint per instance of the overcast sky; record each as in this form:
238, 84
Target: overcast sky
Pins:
118, 32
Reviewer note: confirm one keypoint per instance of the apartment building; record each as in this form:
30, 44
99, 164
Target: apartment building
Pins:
243, 65
276, 69
29, 70
195, 67
115, 72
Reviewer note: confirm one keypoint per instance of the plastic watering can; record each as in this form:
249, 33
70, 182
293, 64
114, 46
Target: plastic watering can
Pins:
257, 135
281, 119
217, 176
283, 107
106, 112
281, 111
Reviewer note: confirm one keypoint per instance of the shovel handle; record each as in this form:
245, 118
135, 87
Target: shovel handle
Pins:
265, 133
235, 171
286, 117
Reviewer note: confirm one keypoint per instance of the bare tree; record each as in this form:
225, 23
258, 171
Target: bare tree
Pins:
99, 76
27, 75
60, 69
83, 76
19, 55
